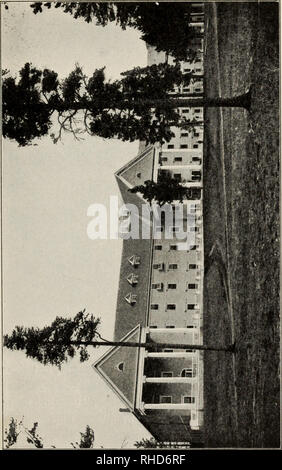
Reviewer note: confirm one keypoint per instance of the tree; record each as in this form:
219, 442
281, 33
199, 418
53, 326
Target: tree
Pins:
163, 25
154, 444
166, 190
16, 427
86, 440
139, 106
65, 337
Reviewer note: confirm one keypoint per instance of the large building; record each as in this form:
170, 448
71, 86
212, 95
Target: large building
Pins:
160, 294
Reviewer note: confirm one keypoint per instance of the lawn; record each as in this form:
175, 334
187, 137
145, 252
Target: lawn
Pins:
241, 227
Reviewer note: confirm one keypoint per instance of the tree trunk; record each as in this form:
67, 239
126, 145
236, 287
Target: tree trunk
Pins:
240, 101
154, 346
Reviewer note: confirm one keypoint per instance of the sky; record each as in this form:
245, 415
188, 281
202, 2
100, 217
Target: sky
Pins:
50, 266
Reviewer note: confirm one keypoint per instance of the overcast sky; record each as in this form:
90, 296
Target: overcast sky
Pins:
51, 267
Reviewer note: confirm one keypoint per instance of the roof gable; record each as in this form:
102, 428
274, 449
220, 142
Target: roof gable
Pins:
118, 367
139, 169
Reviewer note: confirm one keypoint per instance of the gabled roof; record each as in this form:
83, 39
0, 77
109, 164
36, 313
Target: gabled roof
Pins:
119, 366
129, 315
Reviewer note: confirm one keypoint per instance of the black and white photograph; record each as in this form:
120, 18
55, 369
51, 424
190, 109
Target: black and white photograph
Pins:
140, 226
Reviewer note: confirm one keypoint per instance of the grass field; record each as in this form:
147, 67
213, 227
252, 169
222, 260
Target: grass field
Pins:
241, 227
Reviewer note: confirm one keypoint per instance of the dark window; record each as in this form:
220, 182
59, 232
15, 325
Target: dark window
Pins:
165, 399
188, 399
167, 374
191, 306
170, 146
183, 146
178, 159
171, 286
154, 307
195, 146
192, 286
177, 176
184, 134
171, 306
192, 266
158, 247
173, 247
172, 266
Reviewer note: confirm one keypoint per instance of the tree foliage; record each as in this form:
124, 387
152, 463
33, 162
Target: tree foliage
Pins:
164, 25
32, 437
136, 107
86, 439
166, 190
56, 343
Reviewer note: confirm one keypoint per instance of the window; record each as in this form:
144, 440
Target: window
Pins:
138, 175
196, 134
192, 247
177, 176
170, 146
197, 110
171, 306
185, 111
164, 159
175, 229
154, 306
178, 159
120, 366
195, 146
196, 159
171, 286
153, 326
187, 70
187, 399
159, 229
132, 279
158, 247
173, 247
166, 374
168, 350
165, 399
194, 229
190, 326
159, 266
134, 260
191, 306
170, 326
192, 286
172, 266
184, 134
131, 299
192, 266
188, 372
184, 146
159, 286
198, 89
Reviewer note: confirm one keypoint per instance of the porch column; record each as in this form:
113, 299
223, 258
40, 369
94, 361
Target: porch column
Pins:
169, 354
170, 380
169, 406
